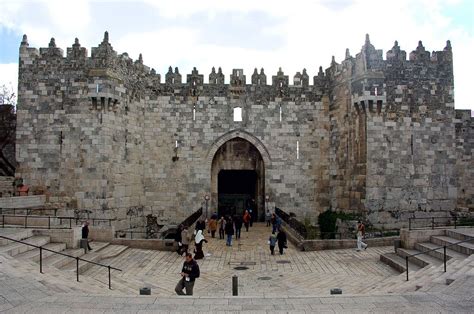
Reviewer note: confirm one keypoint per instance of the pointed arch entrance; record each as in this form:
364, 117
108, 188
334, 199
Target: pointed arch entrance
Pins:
238, 178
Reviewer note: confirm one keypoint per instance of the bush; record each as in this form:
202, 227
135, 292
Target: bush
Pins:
327, 224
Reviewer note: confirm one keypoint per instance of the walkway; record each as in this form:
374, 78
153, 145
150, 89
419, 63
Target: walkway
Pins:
294, 273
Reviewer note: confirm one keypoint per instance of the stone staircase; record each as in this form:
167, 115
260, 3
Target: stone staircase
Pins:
59, 271
426, 271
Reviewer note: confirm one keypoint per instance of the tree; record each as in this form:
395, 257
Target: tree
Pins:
7, 130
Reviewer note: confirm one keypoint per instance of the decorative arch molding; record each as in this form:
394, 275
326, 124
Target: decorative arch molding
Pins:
239, 134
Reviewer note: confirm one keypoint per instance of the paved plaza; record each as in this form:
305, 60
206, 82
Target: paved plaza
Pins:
296, 282
294, 273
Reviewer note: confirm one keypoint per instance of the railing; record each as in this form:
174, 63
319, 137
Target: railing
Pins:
435, 249
295, 224
192, 218
434, 222
69, 221
41, 249
27, 210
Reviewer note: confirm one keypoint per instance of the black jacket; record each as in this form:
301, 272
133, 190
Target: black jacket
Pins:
281, 237
177, 236
238, 222
191, 269
85, 232
200, 225
229, 228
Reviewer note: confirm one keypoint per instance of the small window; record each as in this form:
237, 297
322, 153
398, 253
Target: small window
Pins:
297, 149
176, 144
194, 113
237, 114
97, 88
280, 113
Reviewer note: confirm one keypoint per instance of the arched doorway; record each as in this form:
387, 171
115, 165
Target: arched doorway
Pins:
238, 178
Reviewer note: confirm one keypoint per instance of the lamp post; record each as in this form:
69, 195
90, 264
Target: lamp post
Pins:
267, 198
206, 198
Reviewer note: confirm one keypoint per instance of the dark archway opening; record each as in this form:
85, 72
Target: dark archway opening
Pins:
238, 179
237, 191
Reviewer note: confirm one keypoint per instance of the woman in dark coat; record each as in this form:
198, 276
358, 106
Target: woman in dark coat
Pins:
198, 242
281, 237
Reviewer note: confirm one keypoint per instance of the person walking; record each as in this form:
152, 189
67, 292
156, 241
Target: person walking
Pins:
189, 273
221, 227
268, 217
274, 222
247, 220
237, 225
281, 237
229, 231
85, 233
178, 240
198, 242
185, 240
360, 234
213, 226
272, 242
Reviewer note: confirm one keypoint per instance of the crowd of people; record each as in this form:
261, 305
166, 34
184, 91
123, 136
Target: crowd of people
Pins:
230, 228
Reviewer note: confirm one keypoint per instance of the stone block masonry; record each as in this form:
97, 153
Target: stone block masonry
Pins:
368, 135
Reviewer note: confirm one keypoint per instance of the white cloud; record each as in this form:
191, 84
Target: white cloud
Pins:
311, 32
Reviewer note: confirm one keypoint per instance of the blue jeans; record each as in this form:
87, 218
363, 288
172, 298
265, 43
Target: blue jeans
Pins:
229, 240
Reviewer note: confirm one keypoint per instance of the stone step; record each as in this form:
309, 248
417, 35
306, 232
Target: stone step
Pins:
34, 254
453, 272
18, 248
421, 260
92, 256
17, 234
464, 248
439, 253
106, 257
58, 261
397, 262
461, 234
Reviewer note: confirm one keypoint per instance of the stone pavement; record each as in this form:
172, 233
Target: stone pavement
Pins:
294, 273
458, 301
298, 285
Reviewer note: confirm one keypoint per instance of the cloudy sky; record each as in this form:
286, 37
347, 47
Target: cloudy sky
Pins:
243, 33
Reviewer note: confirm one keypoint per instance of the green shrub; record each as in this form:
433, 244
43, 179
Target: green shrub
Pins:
327, 224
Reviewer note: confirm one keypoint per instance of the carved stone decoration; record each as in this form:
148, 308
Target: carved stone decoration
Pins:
152, 227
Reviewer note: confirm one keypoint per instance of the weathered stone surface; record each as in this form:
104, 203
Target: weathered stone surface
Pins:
377, 136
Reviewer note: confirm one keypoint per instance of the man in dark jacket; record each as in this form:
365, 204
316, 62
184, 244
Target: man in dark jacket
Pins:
85, 233
189, 273
281, 237
229, 231
238, 226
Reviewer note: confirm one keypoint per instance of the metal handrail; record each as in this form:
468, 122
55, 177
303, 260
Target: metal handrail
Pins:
435, 249
432, 219
28, 210
77, 258
61, 218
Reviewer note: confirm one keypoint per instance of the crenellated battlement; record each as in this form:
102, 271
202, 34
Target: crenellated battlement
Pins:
120, 66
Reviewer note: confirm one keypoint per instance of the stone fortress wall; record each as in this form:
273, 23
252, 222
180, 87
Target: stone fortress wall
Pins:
374, 136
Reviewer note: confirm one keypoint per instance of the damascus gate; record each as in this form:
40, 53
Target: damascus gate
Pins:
371, 134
